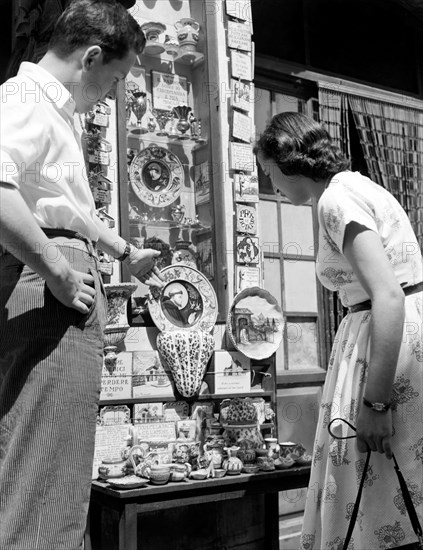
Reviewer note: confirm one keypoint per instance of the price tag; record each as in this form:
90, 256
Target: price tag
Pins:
99, 157
102, 196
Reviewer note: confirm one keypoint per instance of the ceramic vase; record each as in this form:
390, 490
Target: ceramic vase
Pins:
162, 118
183, 125
232, 464
152, 31
117, 323
187, 30
186, 353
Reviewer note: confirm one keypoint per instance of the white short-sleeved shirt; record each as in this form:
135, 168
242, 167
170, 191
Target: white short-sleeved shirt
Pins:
41, 153
350, 197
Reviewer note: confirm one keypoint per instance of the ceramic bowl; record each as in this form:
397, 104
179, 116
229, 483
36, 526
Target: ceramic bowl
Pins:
219, 472
282, 463
112, 468
160, 474
304, 460
198, 474
250, 468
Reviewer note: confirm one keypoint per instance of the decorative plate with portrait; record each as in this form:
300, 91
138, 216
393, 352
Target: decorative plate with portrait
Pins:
255, 323
187, 300
156, 175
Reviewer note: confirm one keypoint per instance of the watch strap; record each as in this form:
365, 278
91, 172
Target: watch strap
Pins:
377, 406
126, 253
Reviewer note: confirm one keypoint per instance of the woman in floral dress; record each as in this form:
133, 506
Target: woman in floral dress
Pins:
368, 252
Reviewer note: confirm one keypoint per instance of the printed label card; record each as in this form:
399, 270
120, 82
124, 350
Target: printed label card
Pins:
241, 65
169, 90
109, 442
155, 431
246, 188
241, 126
241, 157
239, 36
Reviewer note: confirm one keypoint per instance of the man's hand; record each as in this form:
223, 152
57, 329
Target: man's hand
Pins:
73, 289
374, 431
141, 264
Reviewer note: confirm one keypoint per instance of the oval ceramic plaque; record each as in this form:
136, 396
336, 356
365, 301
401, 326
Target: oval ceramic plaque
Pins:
156, 175
255, 323
187, 300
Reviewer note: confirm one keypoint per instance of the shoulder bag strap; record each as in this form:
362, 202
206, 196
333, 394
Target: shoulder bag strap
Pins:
407, 501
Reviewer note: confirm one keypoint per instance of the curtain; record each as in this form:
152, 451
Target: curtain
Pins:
391, 138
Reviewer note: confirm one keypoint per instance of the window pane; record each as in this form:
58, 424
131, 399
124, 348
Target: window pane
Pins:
300, 286
297, 230
302, 344
262, 109
272, 283
284, 103
268, 227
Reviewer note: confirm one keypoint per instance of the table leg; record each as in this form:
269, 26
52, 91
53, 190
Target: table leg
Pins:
271, 521
128, 528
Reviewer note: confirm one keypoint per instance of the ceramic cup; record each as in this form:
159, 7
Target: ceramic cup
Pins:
272, 447
160, 474
286, 448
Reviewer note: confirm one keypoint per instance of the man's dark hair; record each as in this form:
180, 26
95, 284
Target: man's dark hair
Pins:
105, 23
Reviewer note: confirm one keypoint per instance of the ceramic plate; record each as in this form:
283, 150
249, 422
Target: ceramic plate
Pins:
156, 175
127, 482
255, 323
187, 300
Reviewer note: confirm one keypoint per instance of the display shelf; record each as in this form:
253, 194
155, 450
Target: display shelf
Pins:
193, 60
203, 397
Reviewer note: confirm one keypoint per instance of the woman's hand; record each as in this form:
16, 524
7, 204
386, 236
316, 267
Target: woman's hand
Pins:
73, 289
374, 431
141, 264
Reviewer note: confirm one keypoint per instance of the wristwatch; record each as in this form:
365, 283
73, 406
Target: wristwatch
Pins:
378, 407
126, 253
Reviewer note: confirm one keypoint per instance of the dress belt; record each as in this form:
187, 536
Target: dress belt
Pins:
51, 233
362, 306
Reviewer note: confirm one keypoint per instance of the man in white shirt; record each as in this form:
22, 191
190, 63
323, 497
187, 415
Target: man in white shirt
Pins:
52, 303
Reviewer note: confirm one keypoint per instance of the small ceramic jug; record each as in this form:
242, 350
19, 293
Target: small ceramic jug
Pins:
232, 464
179, 472
272, 447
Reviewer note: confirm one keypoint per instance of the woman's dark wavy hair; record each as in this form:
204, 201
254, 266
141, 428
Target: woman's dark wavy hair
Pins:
300, 146
105, 23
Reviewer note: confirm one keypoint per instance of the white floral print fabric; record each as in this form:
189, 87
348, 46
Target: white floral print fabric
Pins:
337, 465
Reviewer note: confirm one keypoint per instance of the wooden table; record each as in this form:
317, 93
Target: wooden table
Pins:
116, 521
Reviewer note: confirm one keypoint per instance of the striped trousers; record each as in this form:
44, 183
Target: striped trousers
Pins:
50, 372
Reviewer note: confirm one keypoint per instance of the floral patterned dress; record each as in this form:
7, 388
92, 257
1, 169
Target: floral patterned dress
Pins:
337, 465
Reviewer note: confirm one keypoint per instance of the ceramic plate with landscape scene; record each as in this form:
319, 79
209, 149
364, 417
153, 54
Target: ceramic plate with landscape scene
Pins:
255, 323
187, 300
